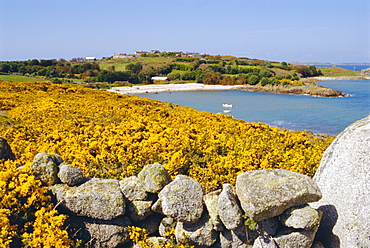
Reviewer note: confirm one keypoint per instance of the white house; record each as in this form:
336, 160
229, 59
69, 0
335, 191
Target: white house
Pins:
141, 52
90, 58
122, 55
158, 78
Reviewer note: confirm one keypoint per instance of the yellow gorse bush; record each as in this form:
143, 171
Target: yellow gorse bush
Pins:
140, 237
26, 214
113, 136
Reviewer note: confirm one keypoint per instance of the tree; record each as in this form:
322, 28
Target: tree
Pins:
134, 67
106, 76
216, 68
33, 62
4, 67
228, 81
243, 79
231, 69
304, 71
253, 79
174, 76
188, 75
199, 75
165, 70
268, 64
284, 65
265, 73
145, 77
265, 81
309, 71
48, 62
212, 78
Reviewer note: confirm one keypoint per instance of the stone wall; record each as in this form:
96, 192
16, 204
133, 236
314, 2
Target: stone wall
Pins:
266, 208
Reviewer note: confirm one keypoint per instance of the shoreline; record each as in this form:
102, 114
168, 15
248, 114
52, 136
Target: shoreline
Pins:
313, 90
160, 88
156, 88
360, 77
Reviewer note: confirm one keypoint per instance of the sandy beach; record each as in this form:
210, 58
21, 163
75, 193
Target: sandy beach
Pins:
153, 88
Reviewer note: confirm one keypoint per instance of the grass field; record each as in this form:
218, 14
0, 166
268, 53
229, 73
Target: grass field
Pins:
336, 71
147, 62
19, 78
119, 64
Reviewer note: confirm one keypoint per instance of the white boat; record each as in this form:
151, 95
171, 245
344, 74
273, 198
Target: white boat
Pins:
227, 111
226, 105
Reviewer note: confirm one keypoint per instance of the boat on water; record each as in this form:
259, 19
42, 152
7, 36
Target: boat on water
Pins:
227, 105
227, 111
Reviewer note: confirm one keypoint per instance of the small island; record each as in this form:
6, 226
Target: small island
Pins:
179, 71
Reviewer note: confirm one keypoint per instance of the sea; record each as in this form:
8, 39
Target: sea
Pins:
320, 115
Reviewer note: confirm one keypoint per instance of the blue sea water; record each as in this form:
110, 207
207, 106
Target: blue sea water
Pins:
294, 112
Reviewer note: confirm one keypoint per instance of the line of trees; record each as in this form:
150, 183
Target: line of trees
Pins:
310, 71
183, 69
48, 68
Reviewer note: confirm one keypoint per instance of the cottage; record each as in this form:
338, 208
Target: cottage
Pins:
141, 52
195, 55
122, 55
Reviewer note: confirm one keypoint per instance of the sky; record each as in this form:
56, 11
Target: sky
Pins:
334, 31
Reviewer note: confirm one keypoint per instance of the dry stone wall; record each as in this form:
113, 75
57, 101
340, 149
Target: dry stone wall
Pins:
267, 208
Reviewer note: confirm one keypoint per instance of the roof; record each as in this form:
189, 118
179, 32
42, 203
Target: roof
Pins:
159, 78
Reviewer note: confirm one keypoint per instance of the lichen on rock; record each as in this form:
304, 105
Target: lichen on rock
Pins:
133, 189
96, 198
45, 167
301, 217
228, 208
70, 175
268, 193
154, 177
182, 199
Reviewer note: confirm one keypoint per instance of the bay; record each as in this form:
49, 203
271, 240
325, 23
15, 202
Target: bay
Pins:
294, 112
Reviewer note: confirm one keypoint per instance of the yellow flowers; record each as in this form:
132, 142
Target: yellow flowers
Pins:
110, 135
7, 231
26, 214
113, 136
47, 230
138, 235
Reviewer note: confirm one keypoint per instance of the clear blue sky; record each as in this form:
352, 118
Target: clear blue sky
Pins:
286, 30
